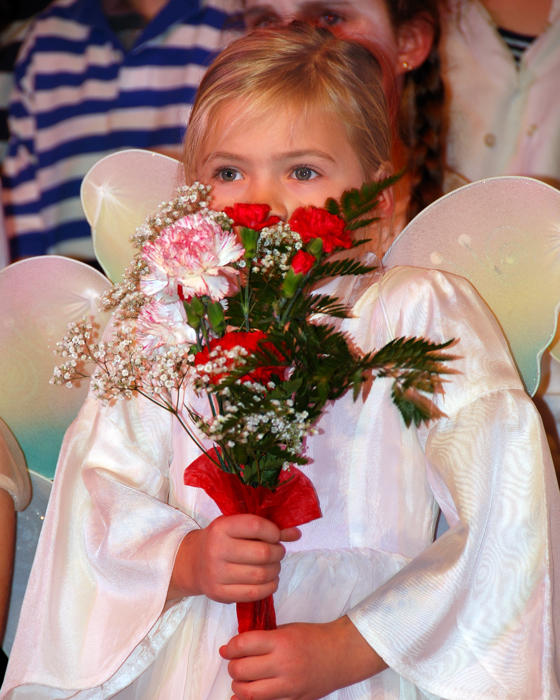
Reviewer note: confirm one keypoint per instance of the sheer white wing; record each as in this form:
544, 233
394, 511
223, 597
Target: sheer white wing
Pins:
118, 193
39, 297
503, 235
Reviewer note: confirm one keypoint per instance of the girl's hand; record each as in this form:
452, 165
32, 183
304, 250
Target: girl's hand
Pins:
235, 559
299, 661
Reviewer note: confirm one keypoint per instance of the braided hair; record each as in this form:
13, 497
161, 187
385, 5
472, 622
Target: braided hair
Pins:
421, 122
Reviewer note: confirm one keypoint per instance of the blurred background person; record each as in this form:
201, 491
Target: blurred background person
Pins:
15, 18
94, 76
501, 66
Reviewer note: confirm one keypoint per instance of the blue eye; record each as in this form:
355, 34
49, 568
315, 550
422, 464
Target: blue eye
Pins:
227, 174
330, 19
303, 172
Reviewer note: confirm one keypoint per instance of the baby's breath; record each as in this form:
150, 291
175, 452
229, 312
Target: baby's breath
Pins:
276, 247
196, 282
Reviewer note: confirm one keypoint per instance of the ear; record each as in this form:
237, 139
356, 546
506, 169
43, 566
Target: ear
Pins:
385, 203
414, 42
386, 199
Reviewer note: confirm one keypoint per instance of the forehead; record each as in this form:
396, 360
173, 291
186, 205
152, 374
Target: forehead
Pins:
236, 123
256, 103
287, 9
247, 114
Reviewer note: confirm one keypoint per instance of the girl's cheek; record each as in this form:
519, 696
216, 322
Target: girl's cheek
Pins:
222, 197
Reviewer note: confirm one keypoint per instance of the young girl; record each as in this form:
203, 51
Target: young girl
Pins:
407, 31
15, 493
129, 596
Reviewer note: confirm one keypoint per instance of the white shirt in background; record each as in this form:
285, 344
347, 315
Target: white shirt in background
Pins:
503, 119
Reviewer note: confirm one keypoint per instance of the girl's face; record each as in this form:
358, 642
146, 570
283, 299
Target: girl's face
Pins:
282, 158
356, 18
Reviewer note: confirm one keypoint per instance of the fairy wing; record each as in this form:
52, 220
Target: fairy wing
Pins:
503, 235
38, 298
118, 193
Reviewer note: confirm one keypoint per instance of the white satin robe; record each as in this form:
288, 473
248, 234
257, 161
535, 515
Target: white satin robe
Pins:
467, 617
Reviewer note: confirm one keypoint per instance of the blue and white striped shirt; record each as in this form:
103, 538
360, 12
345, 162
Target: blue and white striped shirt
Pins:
79, 95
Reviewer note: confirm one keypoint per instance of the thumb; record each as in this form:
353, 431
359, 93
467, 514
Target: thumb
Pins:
290, 534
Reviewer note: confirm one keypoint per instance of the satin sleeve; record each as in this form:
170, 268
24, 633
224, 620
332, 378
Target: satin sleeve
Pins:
14, 477
471, 616
106, 552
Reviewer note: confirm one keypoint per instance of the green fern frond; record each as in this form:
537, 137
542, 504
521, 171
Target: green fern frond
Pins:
340, 268
355, 203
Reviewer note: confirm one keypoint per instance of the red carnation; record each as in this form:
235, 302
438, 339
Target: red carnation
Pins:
313, 222
302, 262
251, 215
249, 340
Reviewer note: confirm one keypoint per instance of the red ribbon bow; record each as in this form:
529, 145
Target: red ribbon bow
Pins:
294, 502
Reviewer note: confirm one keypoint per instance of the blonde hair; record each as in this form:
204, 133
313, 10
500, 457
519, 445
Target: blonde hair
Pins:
302, 67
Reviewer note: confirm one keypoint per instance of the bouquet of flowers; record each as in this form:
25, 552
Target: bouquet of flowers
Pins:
226, 304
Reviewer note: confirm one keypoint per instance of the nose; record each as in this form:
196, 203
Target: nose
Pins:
270, 191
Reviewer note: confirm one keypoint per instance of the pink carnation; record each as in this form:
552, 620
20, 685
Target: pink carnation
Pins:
195, 253
159, 324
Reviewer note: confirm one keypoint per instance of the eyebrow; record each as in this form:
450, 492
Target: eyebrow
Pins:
223, 155
255, 11
311, 5
311, 152
288, 155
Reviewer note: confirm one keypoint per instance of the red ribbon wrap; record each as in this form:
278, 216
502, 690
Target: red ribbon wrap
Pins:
294, 502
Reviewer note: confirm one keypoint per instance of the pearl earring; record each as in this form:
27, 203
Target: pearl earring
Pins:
405, 65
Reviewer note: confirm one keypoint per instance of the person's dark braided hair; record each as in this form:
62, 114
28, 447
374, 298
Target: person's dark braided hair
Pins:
421, 111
